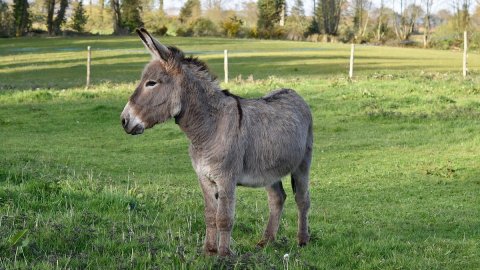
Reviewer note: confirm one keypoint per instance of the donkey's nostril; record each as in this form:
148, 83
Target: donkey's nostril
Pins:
124, 122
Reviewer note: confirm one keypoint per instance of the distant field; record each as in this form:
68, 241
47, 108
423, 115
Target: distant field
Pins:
60, 62
395, 179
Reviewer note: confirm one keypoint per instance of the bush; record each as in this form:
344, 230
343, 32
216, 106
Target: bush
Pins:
204, 27
232, 26
161, 31
184, 32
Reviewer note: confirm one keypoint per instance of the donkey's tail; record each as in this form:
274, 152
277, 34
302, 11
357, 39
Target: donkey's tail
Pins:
303, 169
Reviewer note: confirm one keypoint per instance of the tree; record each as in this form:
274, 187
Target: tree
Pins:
190, 12
427, 4
296, 23
50, 7
462, 14
118, 28
60, 18
381, 22
269, 13
79, 18
249, 14
21, 17
404, 23
360, 17
6, 20
328, 15
54, 24
131, 14
160, 6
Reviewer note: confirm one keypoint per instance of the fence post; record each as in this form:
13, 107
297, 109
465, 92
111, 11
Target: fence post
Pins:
225, 65
352, 51
89, 61
465, 49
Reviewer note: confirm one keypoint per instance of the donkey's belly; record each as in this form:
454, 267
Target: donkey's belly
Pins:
248, 180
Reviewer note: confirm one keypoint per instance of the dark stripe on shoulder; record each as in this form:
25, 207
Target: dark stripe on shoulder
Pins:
239, 105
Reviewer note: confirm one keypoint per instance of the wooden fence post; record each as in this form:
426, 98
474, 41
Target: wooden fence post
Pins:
465, 49
225, 65
352, 51
89, 61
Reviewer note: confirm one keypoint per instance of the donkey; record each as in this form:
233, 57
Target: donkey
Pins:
233, 141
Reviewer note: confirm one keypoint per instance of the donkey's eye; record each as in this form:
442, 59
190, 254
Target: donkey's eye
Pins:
150, 83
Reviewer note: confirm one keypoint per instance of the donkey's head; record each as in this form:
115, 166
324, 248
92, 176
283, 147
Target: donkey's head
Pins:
158, 95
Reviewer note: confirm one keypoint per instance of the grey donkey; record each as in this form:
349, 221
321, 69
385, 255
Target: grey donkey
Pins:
233, 141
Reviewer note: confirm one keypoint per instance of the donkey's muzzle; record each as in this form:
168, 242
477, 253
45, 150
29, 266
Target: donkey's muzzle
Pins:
131, 123
135, 130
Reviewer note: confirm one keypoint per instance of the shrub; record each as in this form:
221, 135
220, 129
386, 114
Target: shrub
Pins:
204, 27
232, 26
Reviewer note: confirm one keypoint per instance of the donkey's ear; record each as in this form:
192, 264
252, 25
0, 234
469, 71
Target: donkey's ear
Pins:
156, 49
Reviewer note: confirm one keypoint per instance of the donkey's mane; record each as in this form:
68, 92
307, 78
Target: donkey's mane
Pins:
201, 68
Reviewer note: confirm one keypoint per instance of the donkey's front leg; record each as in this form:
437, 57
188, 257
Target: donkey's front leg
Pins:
209, 189
225, 214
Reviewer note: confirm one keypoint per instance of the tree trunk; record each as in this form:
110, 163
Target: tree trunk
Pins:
50, 5
60, 18
117, 17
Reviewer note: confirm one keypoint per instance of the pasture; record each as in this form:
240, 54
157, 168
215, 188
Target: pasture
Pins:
395, 179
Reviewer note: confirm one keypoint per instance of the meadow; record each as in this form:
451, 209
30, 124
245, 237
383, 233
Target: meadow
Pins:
395, 179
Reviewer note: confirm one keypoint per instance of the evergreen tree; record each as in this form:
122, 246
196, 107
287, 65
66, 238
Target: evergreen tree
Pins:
79, 18
21, 17
269, 13
131, 14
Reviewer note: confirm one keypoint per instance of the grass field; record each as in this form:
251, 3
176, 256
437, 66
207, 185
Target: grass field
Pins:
395, 179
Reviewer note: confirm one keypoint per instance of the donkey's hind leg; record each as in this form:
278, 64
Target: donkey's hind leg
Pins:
302, 197
276, 200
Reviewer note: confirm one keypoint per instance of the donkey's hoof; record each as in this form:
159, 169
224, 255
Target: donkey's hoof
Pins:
262, 243
210, 252
225, 252
303, 240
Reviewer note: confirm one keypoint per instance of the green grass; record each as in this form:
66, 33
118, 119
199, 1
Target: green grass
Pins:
394, 184
59, 63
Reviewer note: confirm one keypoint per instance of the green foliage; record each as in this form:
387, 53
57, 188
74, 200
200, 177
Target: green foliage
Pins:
21, 17
131, 18
7, 28
79, 18
232, 26
297, 24
204, 27
268, 15
190, 11
60, 17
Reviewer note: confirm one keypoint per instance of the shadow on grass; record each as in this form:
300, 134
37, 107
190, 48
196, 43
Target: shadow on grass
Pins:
125, 70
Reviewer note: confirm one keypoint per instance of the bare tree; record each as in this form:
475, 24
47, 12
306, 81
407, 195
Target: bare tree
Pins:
380, 33
361, 17
404, 22
462, 14
329, 12
117, 17
427, 4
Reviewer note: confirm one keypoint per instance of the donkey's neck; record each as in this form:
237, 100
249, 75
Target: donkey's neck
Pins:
201, 108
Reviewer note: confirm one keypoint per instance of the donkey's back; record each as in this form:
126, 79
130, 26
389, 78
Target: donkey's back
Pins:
277, 136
